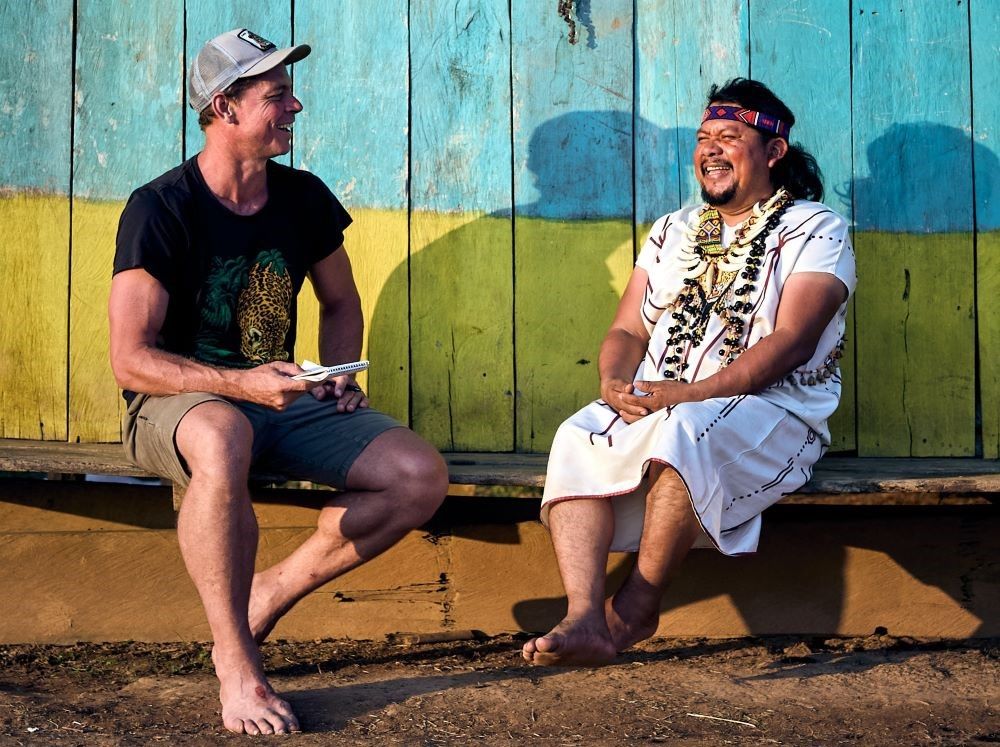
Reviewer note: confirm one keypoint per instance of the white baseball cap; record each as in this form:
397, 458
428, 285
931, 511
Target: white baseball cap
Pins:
239, 53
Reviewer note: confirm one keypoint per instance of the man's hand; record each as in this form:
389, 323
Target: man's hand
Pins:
271, 385
656, 395
619, 394
345, 390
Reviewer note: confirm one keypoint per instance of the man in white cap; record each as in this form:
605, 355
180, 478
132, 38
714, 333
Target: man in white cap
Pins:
210, 257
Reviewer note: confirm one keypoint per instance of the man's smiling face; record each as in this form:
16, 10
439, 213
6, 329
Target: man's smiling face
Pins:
731, 163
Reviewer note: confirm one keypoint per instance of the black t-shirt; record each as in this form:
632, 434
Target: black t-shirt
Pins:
232, 280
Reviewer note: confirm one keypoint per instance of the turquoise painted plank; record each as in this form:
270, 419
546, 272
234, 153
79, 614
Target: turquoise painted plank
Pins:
986, 115
353, 131
572, 112
36, 78
129, 101
460, 56
912, 117
801, 49
206, 19
708, 44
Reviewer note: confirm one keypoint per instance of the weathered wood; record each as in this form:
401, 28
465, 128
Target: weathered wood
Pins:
798, 49
831, 475
985, 25
128, 131
914, 312
353, 133
36, 73
573, 242
460, 265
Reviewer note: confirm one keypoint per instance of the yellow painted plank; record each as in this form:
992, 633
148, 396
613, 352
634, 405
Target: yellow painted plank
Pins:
462, 341
570, 275
843, 422
95, 400
33, 333
377, 244
915, 345
988, 262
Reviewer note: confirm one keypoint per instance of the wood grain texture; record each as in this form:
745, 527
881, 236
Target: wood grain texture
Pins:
460, 234
206, 19
353, 133
128, 131
36, 73
798, 49
914, 313
985, 25
915, 345
573, 242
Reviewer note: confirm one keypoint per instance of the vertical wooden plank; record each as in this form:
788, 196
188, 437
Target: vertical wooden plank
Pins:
128, 131
353, 133
801, 49
206, 19
681, 50
34, 216
574, 203
913, 214
460, 264
985, 24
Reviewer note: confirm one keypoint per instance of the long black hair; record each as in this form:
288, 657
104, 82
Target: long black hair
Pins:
797, 171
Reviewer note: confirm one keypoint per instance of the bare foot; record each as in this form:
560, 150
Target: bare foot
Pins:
627, 624
571, 643
249, 704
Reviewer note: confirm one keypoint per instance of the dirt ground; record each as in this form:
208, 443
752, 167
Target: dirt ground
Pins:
870, 691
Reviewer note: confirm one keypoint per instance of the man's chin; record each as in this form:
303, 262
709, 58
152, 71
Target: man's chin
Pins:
718, 199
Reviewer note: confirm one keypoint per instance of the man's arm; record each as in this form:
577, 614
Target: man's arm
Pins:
137, 308
341, 326
808, 302
623, 348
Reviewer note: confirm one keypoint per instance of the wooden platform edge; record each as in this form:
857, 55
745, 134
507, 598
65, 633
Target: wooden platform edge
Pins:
831, 475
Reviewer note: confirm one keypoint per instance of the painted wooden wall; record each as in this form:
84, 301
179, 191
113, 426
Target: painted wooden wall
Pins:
501, 180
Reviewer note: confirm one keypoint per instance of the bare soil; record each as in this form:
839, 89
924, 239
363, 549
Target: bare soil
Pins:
870, 691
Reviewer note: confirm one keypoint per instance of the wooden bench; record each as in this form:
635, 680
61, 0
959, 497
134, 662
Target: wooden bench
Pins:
833, 474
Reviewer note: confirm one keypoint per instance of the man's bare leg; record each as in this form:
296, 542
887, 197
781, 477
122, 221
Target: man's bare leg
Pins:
217, 531
581, 536
670, 529
396, 484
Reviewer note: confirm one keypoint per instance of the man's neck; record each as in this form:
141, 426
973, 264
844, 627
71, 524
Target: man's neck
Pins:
239, 184
734, 213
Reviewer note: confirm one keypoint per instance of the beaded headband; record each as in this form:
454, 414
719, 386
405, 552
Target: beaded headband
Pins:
760, 120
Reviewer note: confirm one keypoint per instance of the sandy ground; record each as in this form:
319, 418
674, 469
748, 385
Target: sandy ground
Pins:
863, 691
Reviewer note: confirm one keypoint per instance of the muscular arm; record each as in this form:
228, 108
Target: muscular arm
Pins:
341, 325
809, 301
136, 311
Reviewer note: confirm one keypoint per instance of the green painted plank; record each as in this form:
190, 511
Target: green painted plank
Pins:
36, 73
574, 203
206, 19
128, 112
801, 49
985, 24
914, 315
354, 133
460, 264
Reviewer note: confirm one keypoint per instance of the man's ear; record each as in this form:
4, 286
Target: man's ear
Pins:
776, 149
223, 108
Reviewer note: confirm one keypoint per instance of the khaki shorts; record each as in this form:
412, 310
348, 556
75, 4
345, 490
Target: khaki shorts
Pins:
309, 440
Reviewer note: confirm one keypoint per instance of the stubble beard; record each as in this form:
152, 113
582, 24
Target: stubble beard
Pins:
720, 198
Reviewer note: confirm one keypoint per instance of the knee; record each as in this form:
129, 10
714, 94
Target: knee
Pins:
419, 479
216, 441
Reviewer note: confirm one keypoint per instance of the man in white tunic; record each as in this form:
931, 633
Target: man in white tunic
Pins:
718, 375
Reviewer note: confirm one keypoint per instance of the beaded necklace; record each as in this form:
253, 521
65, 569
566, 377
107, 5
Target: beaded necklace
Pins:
710, 271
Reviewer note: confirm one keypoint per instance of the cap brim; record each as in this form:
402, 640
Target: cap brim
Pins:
285, 56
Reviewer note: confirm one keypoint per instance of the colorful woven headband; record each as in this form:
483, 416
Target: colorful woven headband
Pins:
760, 120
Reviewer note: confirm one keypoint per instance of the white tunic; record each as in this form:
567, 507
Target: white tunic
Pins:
736, 455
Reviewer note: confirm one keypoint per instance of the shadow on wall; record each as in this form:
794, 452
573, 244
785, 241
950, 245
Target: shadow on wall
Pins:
920, 180
552, 264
